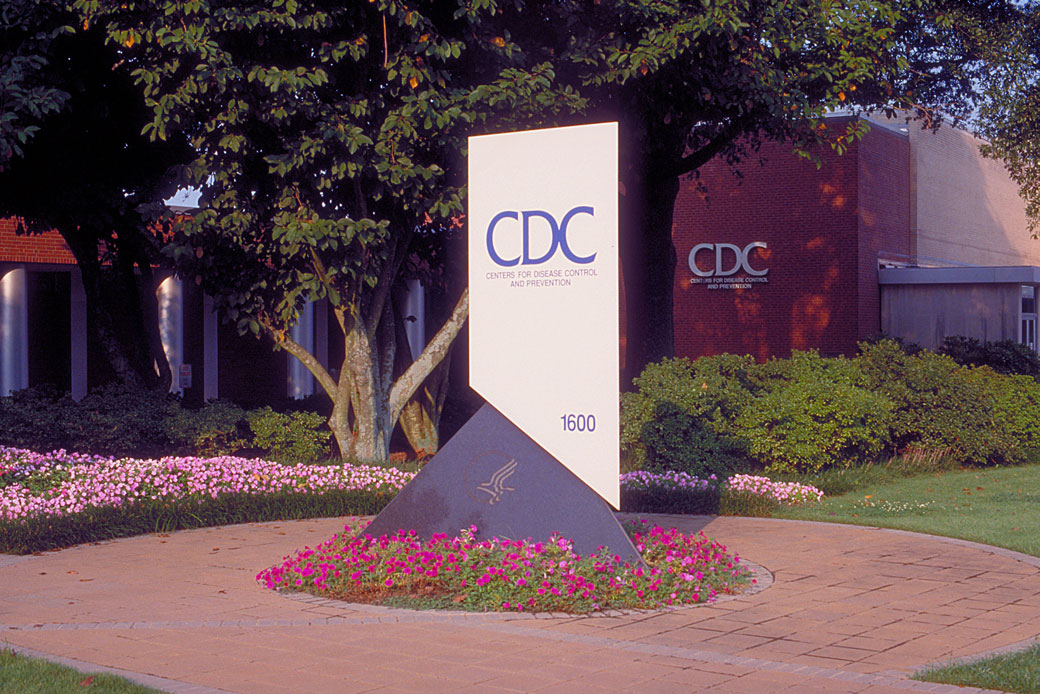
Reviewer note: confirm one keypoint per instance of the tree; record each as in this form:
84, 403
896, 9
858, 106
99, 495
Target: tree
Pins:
1010, 114
328, 139
690, 81
24, 97
72, 159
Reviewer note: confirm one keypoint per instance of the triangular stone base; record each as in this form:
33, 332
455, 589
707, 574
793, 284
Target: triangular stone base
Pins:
493, 476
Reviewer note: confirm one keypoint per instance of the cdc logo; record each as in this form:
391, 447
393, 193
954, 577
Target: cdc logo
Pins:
739, 259
557, 230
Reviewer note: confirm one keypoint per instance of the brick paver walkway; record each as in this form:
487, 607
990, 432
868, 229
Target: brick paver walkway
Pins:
848, 610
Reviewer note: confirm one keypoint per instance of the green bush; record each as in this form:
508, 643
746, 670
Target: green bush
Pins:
939, 404
218, 428
680, 416
112, 420
1018, 408
1003, 356
118, 420
815, 413
35, 418
291, 437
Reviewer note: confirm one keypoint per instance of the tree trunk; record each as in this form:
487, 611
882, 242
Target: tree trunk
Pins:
648, 255
365, 407
86, 254
421, 417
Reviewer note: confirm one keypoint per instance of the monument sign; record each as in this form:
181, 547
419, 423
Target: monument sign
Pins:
542, 456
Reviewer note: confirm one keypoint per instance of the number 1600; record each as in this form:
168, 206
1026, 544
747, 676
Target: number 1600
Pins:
578, 422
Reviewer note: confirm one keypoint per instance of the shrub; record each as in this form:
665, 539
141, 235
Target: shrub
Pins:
1003, 356
218, 428
939, 404
292, 437
1018, 408
119, 420
814, 413
679, 418
36, 418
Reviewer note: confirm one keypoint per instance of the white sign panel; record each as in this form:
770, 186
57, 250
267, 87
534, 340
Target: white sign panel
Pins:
543, 278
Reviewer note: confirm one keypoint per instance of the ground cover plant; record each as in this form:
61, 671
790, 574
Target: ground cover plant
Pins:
60, 499
679, 492
1013, 672
22, 675
468, 573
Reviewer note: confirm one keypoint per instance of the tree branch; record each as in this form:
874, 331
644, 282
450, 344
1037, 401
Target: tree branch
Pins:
290, 345
703, 155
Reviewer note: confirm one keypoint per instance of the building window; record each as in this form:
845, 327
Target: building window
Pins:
1028, 333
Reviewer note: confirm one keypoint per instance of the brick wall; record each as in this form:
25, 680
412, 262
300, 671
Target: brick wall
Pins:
48, 247
809, 219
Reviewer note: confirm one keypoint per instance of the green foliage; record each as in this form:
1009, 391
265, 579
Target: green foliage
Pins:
27, 29
214, 429
670, 499
814, 413
36, 418
292, 437
1003, 356
1018, 409
816, 416
120, 420
117, 420
940, 404
679, 418
113, 420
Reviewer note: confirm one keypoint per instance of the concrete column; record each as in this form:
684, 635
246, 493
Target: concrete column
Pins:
14, 330
77, 335
301, 382
415, 317
210, 350
170, 296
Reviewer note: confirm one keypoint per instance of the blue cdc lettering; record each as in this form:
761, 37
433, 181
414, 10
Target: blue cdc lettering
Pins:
559, 237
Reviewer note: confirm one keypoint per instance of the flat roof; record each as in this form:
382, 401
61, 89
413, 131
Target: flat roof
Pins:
1015, 274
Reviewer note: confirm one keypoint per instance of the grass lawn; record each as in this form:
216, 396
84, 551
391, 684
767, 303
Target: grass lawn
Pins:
22, 675
1017, 672
996, 506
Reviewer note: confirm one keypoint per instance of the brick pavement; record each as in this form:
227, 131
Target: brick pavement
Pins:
844, 609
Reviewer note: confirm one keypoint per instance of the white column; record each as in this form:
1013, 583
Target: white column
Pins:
321, 332
301, 382
170, 296
415, 317
211, 375
14, 330
77, 335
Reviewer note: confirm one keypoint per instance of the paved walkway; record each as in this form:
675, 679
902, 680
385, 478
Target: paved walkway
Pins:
848, 610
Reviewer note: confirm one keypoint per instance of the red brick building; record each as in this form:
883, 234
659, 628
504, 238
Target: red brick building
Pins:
793, 257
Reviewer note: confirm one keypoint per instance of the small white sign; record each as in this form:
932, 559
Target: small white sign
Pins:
184, 376
543, 278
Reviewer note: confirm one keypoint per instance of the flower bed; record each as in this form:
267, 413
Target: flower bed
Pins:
61, 483
500, 575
